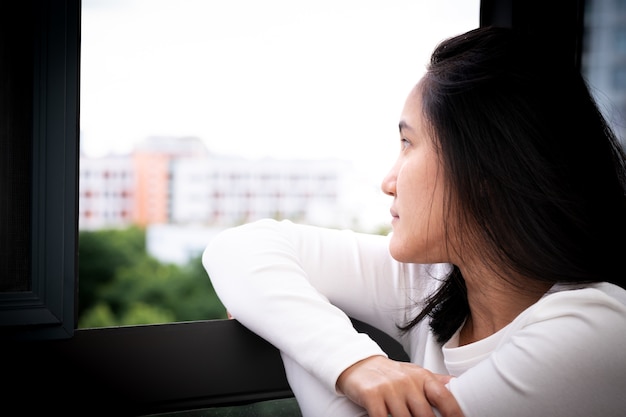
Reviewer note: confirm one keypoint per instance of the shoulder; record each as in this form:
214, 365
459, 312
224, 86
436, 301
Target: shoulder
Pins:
578, 300
590, 316
568, 346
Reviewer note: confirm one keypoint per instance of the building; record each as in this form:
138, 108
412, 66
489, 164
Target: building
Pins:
177, 181
106, 192
153, 159
228, 190
604, 58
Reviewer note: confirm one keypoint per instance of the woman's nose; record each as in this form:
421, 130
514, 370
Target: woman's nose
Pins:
389, 183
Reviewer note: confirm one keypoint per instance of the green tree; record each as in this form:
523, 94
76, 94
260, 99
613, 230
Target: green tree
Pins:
134, 288
100, 254
99, 315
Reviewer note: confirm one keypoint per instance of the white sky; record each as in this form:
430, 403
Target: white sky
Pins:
278, 78
272, 78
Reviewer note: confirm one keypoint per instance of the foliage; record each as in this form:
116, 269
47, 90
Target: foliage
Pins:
120, 284
101, 253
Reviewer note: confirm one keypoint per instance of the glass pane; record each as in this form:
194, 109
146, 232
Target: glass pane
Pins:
199, 115
604, 59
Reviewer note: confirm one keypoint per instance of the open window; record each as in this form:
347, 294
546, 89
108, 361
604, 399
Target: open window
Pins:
135, 370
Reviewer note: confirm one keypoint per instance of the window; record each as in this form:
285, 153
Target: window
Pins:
135, 370
604, 59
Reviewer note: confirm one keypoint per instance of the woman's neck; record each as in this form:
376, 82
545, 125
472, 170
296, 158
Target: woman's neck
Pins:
494, 303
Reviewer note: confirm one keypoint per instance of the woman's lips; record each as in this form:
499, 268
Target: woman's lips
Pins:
394, 215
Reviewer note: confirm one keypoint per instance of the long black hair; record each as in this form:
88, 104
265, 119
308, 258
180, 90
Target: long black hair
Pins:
534, 173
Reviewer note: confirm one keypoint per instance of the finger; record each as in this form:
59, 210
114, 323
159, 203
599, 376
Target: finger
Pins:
416, 399
444, 379
418, 406
378, 409
396, 404
441, 398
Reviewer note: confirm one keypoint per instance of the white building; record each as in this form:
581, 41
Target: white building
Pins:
228, 191
106, 192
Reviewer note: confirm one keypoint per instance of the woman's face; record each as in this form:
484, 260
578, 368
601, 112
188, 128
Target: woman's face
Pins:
416, 184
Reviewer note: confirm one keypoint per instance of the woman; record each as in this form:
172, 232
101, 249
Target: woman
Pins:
502, 278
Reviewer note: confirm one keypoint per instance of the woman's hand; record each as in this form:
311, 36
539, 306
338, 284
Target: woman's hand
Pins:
386, 387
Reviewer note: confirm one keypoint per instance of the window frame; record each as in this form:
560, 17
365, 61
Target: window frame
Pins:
48, 309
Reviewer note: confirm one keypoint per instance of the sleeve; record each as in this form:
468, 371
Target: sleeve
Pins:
568, 359
295, 286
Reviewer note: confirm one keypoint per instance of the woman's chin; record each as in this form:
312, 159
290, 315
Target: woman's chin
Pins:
397, 249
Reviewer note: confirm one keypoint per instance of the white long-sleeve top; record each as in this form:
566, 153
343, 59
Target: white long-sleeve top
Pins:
295, 285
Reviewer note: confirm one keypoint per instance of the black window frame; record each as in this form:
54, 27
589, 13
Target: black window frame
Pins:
47, 310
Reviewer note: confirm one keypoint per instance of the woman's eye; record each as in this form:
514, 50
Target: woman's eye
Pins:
404, 143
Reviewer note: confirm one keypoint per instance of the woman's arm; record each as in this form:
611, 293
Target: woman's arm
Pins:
294, 285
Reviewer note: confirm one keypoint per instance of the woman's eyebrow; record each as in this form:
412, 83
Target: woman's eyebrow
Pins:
404, 126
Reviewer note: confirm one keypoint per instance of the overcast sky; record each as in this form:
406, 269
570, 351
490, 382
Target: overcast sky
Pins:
279, 78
